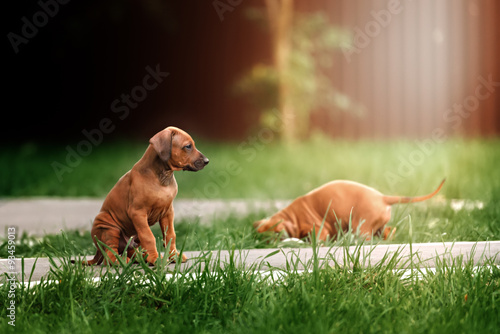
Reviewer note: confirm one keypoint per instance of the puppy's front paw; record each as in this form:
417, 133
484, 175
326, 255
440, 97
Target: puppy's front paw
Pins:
151, 258
389, 233
174, 256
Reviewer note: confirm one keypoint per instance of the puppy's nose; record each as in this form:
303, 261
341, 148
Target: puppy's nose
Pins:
206, 161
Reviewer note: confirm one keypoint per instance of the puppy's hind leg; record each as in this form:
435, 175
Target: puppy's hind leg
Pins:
111, 238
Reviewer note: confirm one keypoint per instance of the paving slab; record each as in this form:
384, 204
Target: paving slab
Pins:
39, 216
426, 255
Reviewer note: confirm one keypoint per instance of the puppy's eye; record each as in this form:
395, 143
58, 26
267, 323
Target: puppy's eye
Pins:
188, 147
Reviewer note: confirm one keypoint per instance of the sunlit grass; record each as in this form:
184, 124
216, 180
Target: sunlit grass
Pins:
457, 297
257, 169
436, 222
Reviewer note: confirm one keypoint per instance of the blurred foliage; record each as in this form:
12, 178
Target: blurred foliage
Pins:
314, 40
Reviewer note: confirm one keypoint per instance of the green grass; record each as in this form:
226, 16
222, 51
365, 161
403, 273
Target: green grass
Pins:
457, 298
328, 299
209, 298
430, 223
256, 169
435, 222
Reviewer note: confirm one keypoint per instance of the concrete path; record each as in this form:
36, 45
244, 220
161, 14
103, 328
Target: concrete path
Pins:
261, 259
39, 216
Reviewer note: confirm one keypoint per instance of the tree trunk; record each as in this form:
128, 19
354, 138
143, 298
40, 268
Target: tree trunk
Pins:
280, 15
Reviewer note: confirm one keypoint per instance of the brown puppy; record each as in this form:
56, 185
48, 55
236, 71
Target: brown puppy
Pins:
143, 196
342, 202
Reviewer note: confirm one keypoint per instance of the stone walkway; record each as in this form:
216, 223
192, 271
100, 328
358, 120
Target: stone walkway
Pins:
38, 216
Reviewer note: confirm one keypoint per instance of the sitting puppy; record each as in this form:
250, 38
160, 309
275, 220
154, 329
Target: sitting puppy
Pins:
143, 196
341, 202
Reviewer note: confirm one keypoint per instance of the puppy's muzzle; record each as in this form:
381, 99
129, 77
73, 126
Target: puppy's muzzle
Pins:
199, 164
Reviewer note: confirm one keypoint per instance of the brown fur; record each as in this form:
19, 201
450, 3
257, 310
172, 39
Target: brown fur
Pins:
144, 196
342, 202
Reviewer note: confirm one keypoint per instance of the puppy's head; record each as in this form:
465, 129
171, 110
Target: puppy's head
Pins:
176, 148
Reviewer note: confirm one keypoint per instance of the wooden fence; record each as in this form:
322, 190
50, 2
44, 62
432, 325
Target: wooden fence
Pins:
416, 67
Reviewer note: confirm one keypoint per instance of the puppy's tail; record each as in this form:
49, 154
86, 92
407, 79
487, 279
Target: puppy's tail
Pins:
390, 200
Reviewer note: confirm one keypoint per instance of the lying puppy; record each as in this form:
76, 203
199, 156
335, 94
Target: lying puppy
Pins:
342, 202
143, 196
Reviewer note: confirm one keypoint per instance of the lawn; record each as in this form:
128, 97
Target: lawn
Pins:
256, 169
456, 298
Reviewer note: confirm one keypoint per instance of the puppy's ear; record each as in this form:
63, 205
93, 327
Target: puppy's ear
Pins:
162, 143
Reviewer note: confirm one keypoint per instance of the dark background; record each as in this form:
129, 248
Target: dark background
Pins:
91, 52
65, 78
